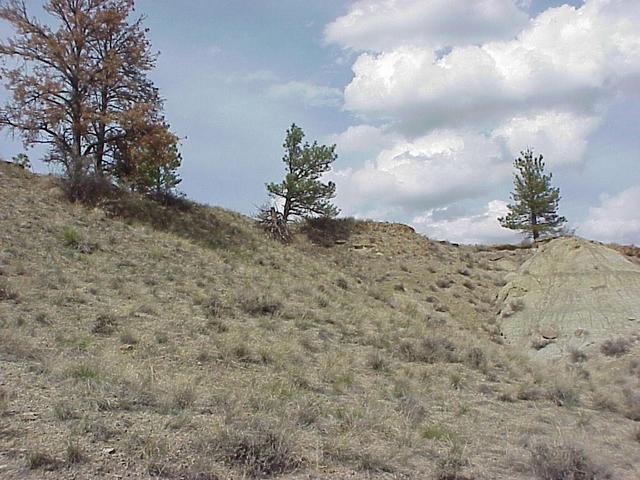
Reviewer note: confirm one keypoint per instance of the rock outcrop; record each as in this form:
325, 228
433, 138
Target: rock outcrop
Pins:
572, 293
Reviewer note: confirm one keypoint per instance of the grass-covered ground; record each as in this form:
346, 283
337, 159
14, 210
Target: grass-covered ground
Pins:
138, 341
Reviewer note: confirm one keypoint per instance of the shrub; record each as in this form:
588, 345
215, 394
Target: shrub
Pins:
82, 185
70, 237
342, 283
577, 356
214, 307
259, 449
128, 338
6, 293
259, 304
632, 404
529, 393
37, 459
450, 466
104, 325
563, 395
100, 431
429, 350
74, 453
437, 432
325, 231
22, 161
183, 396
565, 462
4, 401
377, 360
476, 358
63, 411
615, 347
83, 371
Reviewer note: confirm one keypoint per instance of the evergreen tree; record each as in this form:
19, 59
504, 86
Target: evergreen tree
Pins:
302, 190
534, 210
147, 160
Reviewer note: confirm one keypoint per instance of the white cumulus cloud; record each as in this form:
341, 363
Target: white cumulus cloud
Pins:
568, 59
455, 118
428, 172
383, 24
616, 219
362, 138
562, 136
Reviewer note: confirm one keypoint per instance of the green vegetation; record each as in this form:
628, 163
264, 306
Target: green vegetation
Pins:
302, 191
535, 208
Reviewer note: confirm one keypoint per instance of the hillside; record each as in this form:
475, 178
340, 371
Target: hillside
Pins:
138, 341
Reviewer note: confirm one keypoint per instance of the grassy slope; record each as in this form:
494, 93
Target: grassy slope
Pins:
166, 352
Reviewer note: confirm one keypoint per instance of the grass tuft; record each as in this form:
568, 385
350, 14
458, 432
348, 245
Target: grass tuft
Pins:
259, 304
429, 350
37, 459
615, 347
258, 449
74, 453
565, 461
70, 237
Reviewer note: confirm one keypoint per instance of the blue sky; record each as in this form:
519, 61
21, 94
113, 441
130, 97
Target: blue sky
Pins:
427, 100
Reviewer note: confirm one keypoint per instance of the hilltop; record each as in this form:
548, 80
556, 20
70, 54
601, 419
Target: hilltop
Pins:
142, 341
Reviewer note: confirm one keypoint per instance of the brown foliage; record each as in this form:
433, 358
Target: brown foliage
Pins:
82, 88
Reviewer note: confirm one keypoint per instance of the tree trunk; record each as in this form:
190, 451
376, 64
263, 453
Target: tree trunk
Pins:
287, 210
534, 227
101, 134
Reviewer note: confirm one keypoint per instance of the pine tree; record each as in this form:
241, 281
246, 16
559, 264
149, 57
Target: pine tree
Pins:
535, 207
147, 161
302, 190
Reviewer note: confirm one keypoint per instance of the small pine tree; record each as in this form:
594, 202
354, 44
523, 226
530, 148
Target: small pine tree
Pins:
147, 161
22, 160
301, 190
535, 207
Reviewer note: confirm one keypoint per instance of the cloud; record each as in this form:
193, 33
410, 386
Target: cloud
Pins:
568, 59
429, 172
362, 138
455, 118
481, 228
310, 94
616, 219
253, 77
380, 25
560, 136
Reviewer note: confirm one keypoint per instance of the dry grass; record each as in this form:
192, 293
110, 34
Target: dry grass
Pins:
197, 348
4, 401
566, 461
615, 347
41, 460
257, 449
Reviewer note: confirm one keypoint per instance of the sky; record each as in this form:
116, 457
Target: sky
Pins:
428, 102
